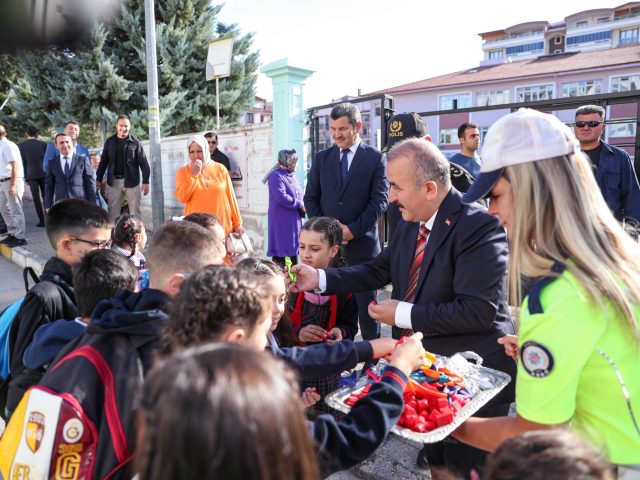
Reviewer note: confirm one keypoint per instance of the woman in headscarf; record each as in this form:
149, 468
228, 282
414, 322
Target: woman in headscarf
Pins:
285, 208
205, 186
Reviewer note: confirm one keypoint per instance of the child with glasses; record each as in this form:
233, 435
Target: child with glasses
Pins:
75, 227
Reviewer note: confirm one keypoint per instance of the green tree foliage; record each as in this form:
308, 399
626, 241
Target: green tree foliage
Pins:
8, 78
106, 75
187, 100
103, 89
62, 84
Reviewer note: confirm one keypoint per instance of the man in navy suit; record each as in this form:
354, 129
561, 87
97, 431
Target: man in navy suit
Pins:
69, 175
348, 182
458, 297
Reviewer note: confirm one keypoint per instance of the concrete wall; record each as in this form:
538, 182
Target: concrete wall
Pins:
251, 147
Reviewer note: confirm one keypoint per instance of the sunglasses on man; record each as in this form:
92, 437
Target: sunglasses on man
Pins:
591, 124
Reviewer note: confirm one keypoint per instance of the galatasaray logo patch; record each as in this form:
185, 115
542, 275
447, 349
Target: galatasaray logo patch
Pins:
72, 430
35, 431
536, 359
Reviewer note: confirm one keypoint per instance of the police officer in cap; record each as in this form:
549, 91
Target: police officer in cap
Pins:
410, 125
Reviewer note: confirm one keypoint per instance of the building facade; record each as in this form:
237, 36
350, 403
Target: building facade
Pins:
261, 111
589, 53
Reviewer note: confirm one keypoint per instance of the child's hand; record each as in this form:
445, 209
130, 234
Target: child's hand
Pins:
409, 355
312, 333
382, 347
510, 343
334, 335
309, 397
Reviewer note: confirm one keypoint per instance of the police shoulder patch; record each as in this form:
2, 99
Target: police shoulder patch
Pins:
536, 359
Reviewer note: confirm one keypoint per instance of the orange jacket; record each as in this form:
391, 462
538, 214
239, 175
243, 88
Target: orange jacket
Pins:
209, 192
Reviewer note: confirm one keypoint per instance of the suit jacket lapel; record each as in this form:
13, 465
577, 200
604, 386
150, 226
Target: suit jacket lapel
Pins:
409, 243
442, 226
57, 166
74, 161
335, 163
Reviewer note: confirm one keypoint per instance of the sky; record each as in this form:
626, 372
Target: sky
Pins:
369, 45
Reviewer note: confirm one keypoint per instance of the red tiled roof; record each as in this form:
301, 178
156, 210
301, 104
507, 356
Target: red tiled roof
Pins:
563, 63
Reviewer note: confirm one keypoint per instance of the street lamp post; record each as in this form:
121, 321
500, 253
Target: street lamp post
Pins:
153, 115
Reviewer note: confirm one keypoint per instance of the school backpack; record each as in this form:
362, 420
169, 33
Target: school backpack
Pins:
6, 320
55, 435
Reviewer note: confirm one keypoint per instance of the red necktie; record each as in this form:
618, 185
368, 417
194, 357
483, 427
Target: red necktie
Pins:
414, 271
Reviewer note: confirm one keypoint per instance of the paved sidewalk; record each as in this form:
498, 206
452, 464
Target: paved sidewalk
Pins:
38, 249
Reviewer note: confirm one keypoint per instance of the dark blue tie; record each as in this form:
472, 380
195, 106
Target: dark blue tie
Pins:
344, 165
66, 166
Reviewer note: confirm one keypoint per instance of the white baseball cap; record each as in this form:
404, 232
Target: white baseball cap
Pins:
523, 136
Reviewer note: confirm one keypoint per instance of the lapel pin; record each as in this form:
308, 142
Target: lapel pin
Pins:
447, 222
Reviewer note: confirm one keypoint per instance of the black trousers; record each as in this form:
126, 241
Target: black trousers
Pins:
369, 328
37, 192
457, 457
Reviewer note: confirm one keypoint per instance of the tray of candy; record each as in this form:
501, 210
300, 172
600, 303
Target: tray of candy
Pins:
439, 397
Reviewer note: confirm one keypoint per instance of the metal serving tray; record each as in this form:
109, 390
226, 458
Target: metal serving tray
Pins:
484, 384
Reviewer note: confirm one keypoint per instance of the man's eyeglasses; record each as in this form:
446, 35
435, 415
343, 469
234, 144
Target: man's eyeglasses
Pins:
99, 244
592, 124
213, 142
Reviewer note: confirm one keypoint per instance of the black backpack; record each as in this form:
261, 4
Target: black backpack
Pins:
6, 321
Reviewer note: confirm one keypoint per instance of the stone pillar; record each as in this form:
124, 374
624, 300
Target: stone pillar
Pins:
288, 113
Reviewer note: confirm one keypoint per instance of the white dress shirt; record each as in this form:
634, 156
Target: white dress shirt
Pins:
403, 312
352, 151
62, 161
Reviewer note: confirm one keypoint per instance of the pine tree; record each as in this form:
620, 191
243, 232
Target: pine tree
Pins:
63, 84
41, 87
96, 88
187, 100
106, 74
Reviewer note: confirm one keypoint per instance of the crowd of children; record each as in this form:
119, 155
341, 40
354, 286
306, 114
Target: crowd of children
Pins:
172, 364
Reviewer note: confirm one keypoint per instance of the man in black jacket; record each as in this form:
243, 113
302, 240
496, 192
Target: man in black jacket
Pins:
123, 159
74, 227
214, 151
32, 151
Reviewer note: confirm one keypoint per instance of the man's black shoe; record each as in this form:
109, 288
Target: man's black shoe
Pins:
421, 460
10, 238
17, 242
40, 224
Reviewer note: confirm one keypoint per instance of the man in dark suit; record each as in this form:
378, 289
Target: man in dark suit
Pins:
32, 151
348, 182
448, 282
69, 176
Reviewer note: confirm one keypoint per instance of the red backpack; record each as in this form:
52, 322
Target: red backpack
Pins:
52, 435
